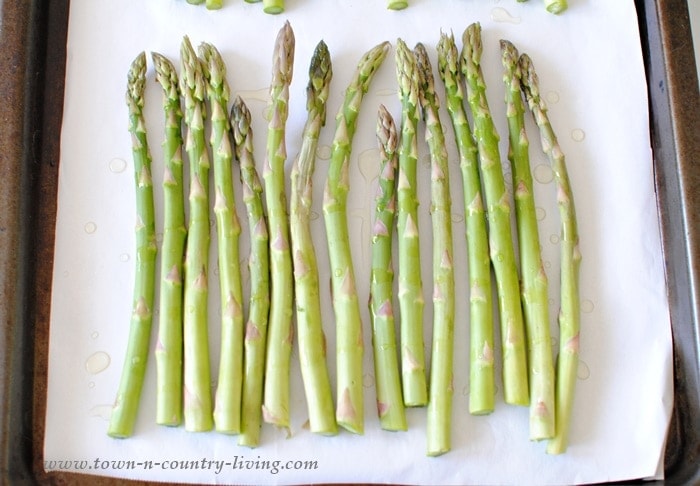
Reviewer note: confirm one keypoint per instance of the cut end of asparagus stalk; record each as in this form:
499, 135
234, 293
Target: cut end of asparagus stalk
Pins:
556, 6
396, 4
273, 6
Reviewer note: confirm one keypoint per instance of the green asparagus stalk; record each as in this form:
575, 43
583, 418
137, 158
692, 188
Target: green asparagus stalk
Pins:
227, 404
311, 339
195, 2
125, 410
273, 6
481, 375
279, 343
411, 302
392, 414
556, 6
168, 351
396, 4
515, 380
440, 399
534, 286
214, 4
197, 373
258, 264
570, 311
350, 408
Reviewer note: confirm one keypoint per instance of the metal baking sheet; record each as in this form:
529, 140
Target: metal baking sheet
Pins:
33, 34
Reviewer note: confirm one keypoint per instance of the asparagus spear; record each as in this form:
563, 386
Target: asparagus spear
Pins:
556, 6
515, 381
279, 344
214, 4
570, 311
440, 400
258, 263
392, 414
227, 405
312, 341
481, 374
415, 392
198, 403
121, 423
350, 408
533, 278
169, 347
273, 6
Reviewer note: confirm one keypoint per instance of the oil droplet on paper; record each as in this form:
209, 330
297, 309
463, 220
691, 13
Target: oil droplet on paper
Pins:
313, 215
97, 362
386, 92
95, 335
368, 380
554, 239
124, 257
540, 213
552, 97
584, 372
587, 306
368, 163
102, 411
500, 14
90, 227
577, 135
323, 152
457, 218
261, 94
91, 384
543, 174
547, 264
117, 165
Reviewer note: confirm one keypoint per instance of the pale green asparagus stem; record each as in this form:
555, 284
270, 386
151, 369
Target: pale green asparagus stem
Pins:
441, 390
349, 345
390, 407
227, 403
515, 380
279, 343
534, 287
556, 6
570, 311
168, 351
396, 4
481, 374
214, 4
125, 410
197, 373
411, 302
258, 264
273, 6
312, 340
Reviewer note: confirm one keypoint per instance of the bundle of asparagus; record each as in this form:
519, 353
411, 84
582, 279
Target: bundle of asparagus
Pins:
253, 381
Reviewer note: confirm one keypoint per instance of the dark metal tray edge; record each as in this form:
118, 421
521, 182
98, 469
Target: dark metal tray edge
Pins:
32, 72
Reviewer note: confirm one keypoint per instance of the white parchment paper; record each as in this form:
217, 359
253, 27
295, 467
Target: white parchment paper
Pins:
591, 73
